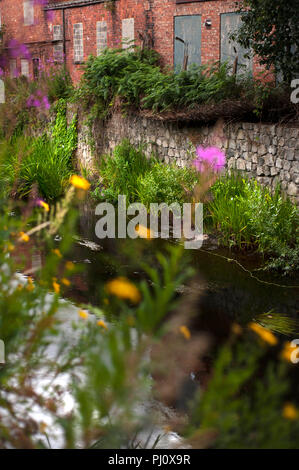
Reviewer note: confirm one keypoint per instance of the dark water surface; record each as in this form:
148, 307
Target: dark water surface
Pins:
225, 288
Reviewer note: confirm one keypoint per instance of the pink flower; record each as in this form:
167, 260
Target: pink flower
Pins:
209, 157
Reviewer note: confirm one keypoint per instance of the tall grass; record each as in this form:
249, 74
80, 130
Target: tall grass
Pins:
129, 172
45, 161
248, 215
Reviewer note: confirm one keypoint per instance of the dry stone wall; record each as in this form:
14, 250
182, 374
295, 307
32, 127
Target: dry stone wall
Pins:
269, 153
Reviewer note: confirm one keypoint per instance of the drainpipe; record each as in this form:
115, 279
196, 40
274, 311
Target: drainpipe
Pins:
63, 37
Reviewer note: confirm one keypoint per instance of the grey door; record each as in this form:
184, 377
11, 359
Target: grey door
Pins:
230, 22
187, 28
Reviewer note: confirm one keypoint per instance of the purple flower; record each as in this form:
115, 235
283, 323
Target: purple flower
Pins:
17, 49
46, 102
37, 102
211, 157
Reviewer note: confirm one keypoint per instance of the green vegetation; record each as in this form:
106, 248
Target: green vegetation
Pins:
248, 215
138, 80
249, 401
130, 173
250, 411
270, 29
45, 161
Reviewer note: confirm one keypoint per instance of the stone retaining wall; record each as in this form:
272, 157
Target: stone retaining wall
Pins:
270, 153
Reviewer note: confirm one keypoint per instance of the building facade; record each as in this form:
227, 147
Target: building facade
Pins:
40, 32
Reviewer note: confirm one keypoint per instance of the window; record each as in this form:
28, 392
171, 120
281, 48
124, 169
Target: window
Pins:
187, 40
58, 46
128, 34
25, 67
28, 6
101, 36
78, 42
231, 51
13, 68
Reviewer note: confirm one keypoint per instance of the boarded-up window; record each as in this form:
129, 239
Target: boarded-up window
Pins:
231, 50
25, 67
13, 68
58, 46
78, 42
128, 33
187, 40
28, 6
101, 36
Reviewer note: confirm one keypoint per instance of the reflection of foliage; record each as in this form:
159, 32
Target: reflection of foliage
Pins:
279, 322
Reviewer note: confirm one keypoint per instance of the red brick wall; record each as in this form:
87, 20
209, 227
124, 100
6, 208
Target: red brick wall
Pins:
156, 17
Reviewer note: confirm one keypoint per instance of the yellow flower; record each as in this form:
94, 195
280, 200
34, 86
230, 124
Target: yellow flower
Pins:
42, 427
56, 287
290, 411
287, 351
44, 205
144, 232
57, 252
10, 246
83, 314
69, 266
263, 333
236, 329
124, 289
167, 428
102, 324
65, 281
185, 332
80, 183
30, 285
24, 237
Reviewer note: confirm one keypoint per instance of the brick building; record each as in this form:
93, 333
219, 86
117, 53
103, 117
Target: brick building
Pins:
70, 30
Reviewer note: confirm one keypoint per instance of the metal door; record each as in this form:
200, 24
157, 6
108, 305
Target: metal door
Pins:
188, 29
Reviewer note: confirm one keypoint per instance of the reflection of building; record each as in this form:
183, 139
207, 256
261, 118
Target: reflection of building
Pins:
70, 30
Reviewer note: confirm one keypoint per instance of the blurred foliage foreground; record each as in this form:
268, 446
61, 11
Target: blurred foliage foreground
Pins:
81, 377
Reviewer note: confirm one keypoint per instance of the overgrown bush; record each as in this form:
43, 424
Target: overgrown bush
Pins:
139, 81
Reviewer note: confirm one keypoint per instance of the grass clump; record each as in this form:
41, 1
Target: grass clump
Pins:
129, 172
42, 161
249, 215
